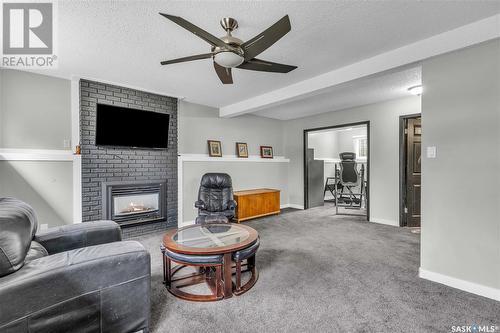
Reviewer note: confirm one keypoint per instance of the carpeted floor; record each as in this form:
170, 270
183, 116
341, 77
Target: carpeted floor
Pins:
322, 273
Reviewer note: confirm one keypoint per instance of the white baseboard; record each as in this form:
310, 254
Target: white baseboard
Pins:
470, 287
291, 206
384, 221
185, 223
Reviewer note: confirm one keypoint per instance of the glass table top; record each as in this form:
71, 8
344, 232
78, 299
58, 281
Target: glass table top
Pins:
211, 235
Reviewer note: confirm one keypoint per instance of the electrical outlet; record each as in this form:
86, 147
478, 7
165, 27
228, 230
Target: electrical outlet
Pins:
67, 143
431, 152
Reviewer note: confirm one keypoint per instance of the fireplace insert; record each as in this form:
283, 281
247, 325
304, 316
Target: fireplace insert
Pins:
131, 202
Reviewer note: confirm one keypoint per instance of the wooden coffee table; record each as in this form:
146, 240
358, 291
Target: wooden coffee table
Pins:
210, 239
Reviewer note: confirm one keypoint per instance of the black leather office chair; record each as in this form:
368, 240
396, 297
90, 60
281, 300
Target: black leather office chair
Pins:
215, 196
347, 178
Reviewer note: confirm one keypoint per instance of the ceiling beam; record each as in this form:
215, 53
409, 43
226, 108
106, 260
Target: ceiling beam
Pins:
467, 35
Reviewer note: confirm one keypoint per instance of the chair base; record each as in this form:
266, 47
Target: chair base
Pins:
175, 284
238, 289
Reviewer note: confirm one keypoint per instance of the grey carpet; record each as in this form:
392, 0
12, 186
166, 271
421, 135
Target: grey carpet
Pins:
321, 273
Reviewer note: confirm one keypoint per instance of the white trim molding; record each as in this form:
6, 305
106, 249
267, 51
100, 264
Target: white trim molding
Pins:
467, 286
185, 223
294, 206
384, 221
467, 35
13, 154
77, 189
75, 140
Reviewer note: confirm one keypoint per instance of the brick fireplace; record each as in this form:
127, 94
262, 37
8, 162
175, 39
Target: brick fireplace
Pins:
102, 166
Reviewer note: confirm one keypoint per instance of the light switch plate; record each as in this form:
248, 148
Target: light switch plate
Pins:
431, 152
44, 226
67, 143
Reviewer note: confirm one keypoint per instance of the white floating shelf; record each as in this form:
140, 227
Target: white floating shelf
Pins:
10, 154
231, 158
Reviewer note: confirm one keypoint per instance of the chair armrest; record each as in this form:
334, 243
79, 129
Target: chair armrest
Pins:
200, 204
75, 236
105, 288
232, 204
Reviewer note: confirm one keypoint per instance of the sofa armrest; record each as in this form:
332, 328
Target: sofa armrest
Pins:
79, 235
199, 204
105, 288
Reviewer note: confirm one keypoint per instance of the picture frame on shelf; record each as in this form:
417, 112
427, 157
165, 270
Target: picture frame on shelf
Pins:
214, 148
242, 149
266, 152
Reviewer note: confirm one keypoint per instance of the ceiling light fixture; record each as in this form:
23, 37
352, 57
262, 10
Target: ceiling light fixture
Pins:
228, 59
416, 90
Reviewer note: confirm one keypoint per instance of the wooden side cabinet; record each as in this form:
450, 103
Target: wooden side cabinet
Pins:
256, 203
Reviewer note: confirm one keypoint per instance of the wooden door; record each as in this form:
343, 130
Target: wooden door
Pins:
413, 171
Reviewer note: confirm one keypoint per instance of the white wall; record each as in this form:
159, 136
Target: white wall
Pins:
384, 150
461, 186
198, 123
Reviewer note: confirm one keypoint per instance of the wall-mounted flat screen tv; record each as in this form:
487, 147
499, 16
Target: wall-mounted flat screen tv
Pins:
126, 127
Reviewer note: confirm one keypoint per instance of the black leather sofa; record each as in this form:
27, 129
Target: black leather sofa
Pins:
75, 278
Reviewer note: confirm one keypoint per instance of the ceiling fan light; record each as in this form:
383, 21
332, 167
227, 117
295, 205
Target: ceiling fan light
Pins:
416, 90
228, 59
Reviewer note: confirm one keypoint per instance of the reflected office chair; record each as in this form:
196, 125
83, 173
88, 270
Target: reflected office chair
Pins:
348, 178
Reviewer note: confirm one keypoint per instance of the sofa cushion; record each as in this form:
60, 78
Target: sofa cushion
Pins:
36, 251
18, 226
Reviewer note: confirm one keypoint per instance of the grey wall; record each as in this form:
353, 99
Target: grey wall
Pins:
346, 139
45, 185
35, 110
35, 114
329, 143
199, 123
384, 145
101, 164
247, 175
325, 144
461, 187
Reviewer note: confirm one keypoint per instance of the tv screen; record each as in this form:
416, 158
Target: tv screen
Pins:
125, 127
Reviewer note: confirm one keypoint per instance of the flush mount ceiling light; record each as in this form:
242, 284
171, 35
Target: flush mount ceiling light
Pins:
415, 90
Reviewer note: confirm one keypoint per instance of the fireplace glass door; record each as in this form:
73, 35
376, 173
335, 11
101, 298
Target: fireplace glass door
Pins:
135, 204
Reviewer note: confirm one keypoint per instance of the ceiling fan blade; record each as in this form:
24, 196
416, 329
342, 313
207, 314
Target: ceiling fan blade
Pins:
206, 36
190, 58
265, 39
224, 74
266, 66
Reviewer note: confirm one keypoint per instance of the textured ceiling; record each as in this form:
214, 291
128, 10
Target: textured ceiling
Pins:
368, 90
124, 41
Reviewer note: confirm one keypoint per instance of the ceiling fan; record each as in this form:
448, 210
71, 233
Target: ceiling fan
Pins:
230, 52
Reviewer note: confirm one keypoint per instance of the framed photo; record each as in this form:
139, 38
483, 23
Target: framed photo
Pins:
266, 152
214, 148
241, 149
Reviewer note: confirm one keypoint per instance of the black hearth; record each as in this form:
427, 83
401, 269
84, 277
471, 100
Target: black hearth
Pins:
130, 203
